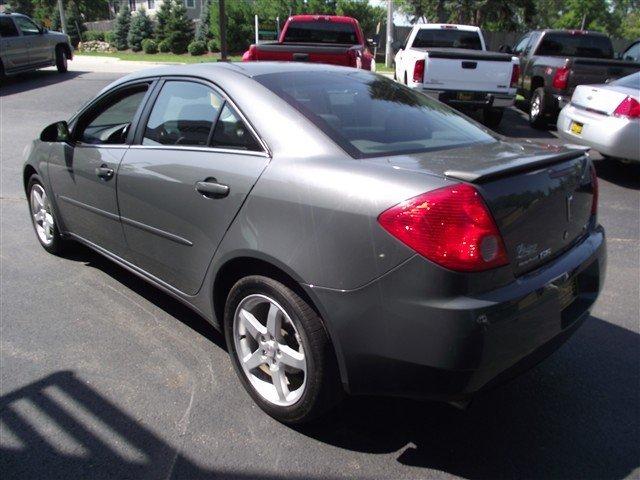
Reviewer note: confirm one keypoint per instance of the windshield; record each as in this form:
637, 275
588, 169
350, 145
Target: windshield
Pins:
320, 31
575, 45
369, 115
630, 81
447, 39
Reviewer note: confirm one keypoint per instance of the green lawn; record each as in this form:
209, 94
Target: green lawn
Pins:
160, 57
381, 67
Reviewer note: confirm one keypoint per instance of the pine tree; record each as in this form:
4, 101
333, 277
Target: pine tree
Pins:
163, 15
179, 29
141, 28
120, 33
203, 31
75, 23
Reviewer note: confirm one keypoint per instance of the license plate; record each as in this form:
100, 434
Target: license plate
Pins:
567, 292
465, 96
576, 128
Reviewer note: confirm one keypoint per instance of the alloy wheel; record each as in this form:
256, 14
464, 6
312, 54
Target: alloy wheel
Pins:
41, 214
535, 107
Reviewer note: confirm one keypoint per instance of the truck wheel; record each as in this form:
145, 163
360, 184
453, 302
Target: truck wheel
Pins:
492, 117
538, 110
61, 59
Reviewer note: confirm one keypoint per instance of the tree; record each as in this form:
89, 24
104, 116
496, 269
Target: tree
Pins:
121, 30
20, 6
163, 15
239, 25
368, 15
179, 29
203, 30
75, 23
140, 29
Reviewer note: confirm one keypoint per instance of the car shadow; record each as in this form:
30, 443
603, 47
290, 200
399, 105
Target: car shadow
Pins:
24, 82
574, 416
515, 125
625, 175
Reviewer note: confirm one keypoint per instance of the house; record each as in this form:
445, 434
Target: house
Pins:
194, 7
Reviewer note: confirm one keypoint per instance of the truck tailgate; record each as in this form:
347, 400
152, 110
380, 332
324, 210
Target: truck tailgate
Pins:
304, 52
586, 71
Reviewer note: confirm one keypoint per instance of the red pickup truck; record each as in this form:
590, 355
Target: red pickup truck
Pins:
317, 38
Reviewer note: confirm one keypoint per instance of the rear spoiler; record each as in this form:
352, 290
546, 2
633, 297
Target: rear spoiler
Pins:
510, 167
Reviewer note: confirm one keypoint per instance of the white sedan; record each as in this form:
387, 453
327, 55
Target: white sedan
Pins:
605, 118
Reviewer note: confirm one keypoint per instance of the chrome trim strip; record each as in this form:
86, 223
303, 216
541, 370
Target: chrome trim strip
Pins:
98, 211
199, 149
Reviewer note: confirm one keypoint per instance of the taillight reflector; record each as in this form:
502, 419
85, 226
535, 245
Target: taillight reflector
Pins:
629, 108
561, 78
450, 226
418, 71
515, 74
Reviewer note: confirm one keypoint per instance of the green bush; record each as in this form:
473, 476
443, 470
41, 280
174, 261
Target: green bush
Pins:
141, 28
123, 22
197, 48
179, 29
93, 35
164, 46
109, 37
149, 46
213, 45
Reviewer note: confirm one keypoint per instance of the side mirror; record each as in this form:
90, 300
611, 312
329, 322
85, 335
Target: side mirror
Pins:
397, 45
56, 132
505, 49
374, 40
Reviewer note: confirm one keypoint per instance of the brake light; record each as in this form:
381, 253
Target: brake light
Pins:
629, 108
595, 189
249, 55
450, 226
515, 74
561, 78
418, 71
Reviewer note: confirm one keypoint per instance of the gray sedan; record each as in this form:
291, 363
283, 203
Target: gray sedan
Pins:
605, 118
345, 232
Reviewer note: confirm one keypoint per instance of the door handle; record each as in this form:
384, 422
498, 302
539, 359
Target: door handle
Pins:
212, 189
104, 172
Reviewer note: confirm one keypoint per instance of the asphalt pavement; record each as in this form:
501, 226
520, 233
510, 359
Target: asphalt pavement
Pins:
103, 376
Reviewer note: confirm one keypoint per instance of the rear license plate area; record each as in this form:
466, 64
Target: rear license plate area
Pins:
465, 96
567, 292
576, 127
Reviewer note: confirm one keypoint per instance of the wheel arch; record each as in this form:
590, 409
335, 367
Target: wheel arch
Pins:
536, 82
66, 49
27, 173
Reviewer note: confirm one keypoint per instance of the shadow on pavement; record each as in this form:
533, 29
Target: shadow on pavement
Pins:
99, 440
573, 417
515, 126
37, 79
623, 174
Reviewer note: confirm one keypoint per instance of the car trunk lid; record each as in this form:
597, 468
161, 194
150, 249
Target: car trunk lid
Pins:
598, 98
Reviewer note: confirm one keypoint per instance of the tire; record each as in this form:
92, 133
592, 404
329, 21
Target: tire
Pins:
538, 109
61, 59
46, 226
2, 75
492, 117
406, 82
307, 394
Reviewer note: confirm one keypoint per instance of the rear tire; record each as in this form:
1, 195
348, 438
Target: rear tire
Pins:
310, 388
492, 117
538, 109
61, 59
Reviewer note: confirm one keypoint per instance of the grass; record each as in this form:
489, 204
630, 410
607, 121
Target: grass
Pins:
382, 68
159, 57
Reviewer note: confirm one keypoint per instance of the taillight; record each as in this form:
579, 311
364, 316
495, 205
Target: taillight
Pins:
595, 189
418, 71
450, 226
629, 108
515, 74
249, 55
561, 78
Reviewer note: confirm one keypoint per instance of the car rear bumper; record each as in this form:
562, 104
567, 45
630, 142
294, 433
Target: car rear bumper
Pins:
410, 334
612, 136
456, 98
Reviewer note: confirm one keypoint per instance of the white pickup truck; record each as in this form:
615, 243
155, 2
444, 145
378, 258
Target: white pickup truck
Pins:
452, 64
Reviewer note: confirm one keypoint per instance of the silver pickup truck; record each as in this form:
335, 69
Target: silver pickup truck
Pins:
25, 46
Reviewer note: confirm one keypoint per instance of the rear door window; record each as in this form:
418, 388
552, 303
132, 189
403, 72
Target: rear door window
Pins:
231, 132
27, 27
8, 28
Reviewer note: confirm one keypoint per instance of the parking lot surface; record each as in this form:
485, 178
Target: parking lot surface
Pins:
102, 376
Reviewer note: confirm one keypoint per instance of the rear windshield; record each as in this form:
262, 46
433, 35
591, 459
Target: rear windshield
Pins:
575, 45
447, 39
369, 115
321, 31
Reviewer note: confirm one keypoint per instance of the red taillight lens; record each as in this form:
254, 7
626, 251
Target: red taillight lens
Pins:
561, 78
515, 74
450, 226
418, 71
629, 108
594, 186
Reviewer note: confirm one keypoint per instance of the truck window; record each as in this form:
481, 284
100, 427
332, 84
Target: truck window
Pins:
560, 44
321, 32
521, 45
427, 38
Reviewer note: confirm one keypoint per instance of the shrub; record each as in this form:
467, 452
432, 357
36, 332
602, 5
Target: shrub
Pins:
164, 46
163, 15
123, 22
141, 28
179, 29
203, 29
213, 45
75, 24
197, 48
94, 36
149, 46
110, 37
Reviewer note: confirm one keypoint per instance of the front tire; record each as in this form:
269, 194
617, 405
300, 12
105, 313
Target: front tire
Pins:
538, 109
42, 217
492, 117
280, 350
61, 59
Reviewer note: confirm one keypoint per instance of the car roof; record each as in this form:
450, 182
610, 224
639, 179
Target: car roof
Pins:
569, 30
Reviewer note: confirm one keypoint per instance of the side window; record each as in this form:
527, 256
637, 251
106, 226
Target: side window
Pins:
521, 45
183, 114
27, 27
7, 27
633, 53
231, 132
109, 122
